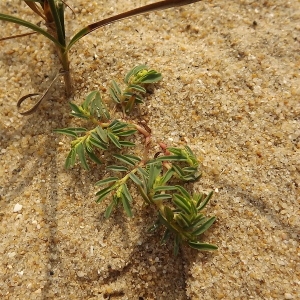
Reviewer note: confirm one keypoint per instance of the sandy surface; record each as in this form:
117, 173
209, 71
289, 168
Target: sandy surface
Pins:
230, 90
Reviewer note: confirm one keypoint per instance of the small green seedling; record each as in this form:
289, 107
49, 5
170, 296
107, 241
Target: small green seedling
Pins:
52, 13
158, 180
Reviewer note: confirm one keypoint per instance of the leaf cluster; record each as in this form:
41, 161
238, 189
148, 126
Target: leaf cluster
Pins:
136, 79
89, 142
178, 211
159, 180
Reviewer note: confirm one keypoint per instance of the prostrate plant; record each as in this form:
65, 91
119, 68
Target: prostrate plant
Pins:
158, 180
52, 12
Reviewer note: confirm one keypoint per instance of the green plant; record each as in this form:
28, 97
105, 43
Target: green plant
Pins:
52, 12
158, 180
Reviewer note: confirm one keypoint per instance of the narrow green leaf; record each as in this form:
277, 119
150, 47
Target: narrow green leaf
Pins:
114, 139
183, 191
97, 142
102, 134
176, 245
205, 201
127, 159
88, 99
94, 157
126, 144
137, 88
165, 188
165, 237
198, 221
171, 158
126, 199
106, 181
55, 7
158, 197
185, 220
142, 171
126, 132
204, 226
202, 246
66, 131
144, 194
117, 168
116, 87
114, 95
81, 155
169, 215
34, 27
181, 203
167, 176
110, 208
135, 179
103, 193
70, 161
154, 172
75, 108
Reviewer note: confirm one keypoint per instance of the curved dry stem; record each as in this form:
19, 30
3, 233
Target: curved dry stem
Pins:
37, 104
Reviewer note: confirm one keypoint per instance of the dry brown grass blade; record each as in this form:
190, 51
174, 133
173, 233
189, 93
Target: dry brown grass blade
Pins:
37, 104
36, 9
17, 36
141, 10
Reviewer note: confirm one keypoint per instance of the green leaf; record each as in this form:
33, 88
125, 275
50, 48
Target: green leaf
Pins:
158, 197
117, 168
183, 220
171, 158
127, 159
104, 192
183, 191
70, 160
110, 207
126, 144
181, 203
137, 88
94, 157
114, 95
106, 181
154, 172
165, 188
116, 87
126, 132
151, 77
72, 131
167, 176
135, 179
177, 241
134, 71
169, 215
126, 199
205, 201
166, 236
202, 246
56, 8
81, 155
93, 139
204, 226
34, 27
114, 139
66, 131
102, 134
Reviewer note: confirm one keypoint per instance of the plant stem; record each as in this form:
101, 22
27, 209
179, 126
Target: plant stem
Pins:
64, 58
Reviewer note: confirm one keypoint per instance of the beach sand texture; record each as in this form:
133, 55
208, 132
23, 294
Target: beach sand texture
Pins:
231, 91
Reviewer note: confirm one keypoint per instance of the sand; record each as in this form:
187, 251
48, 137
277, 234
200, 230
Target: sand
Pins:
230, 91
